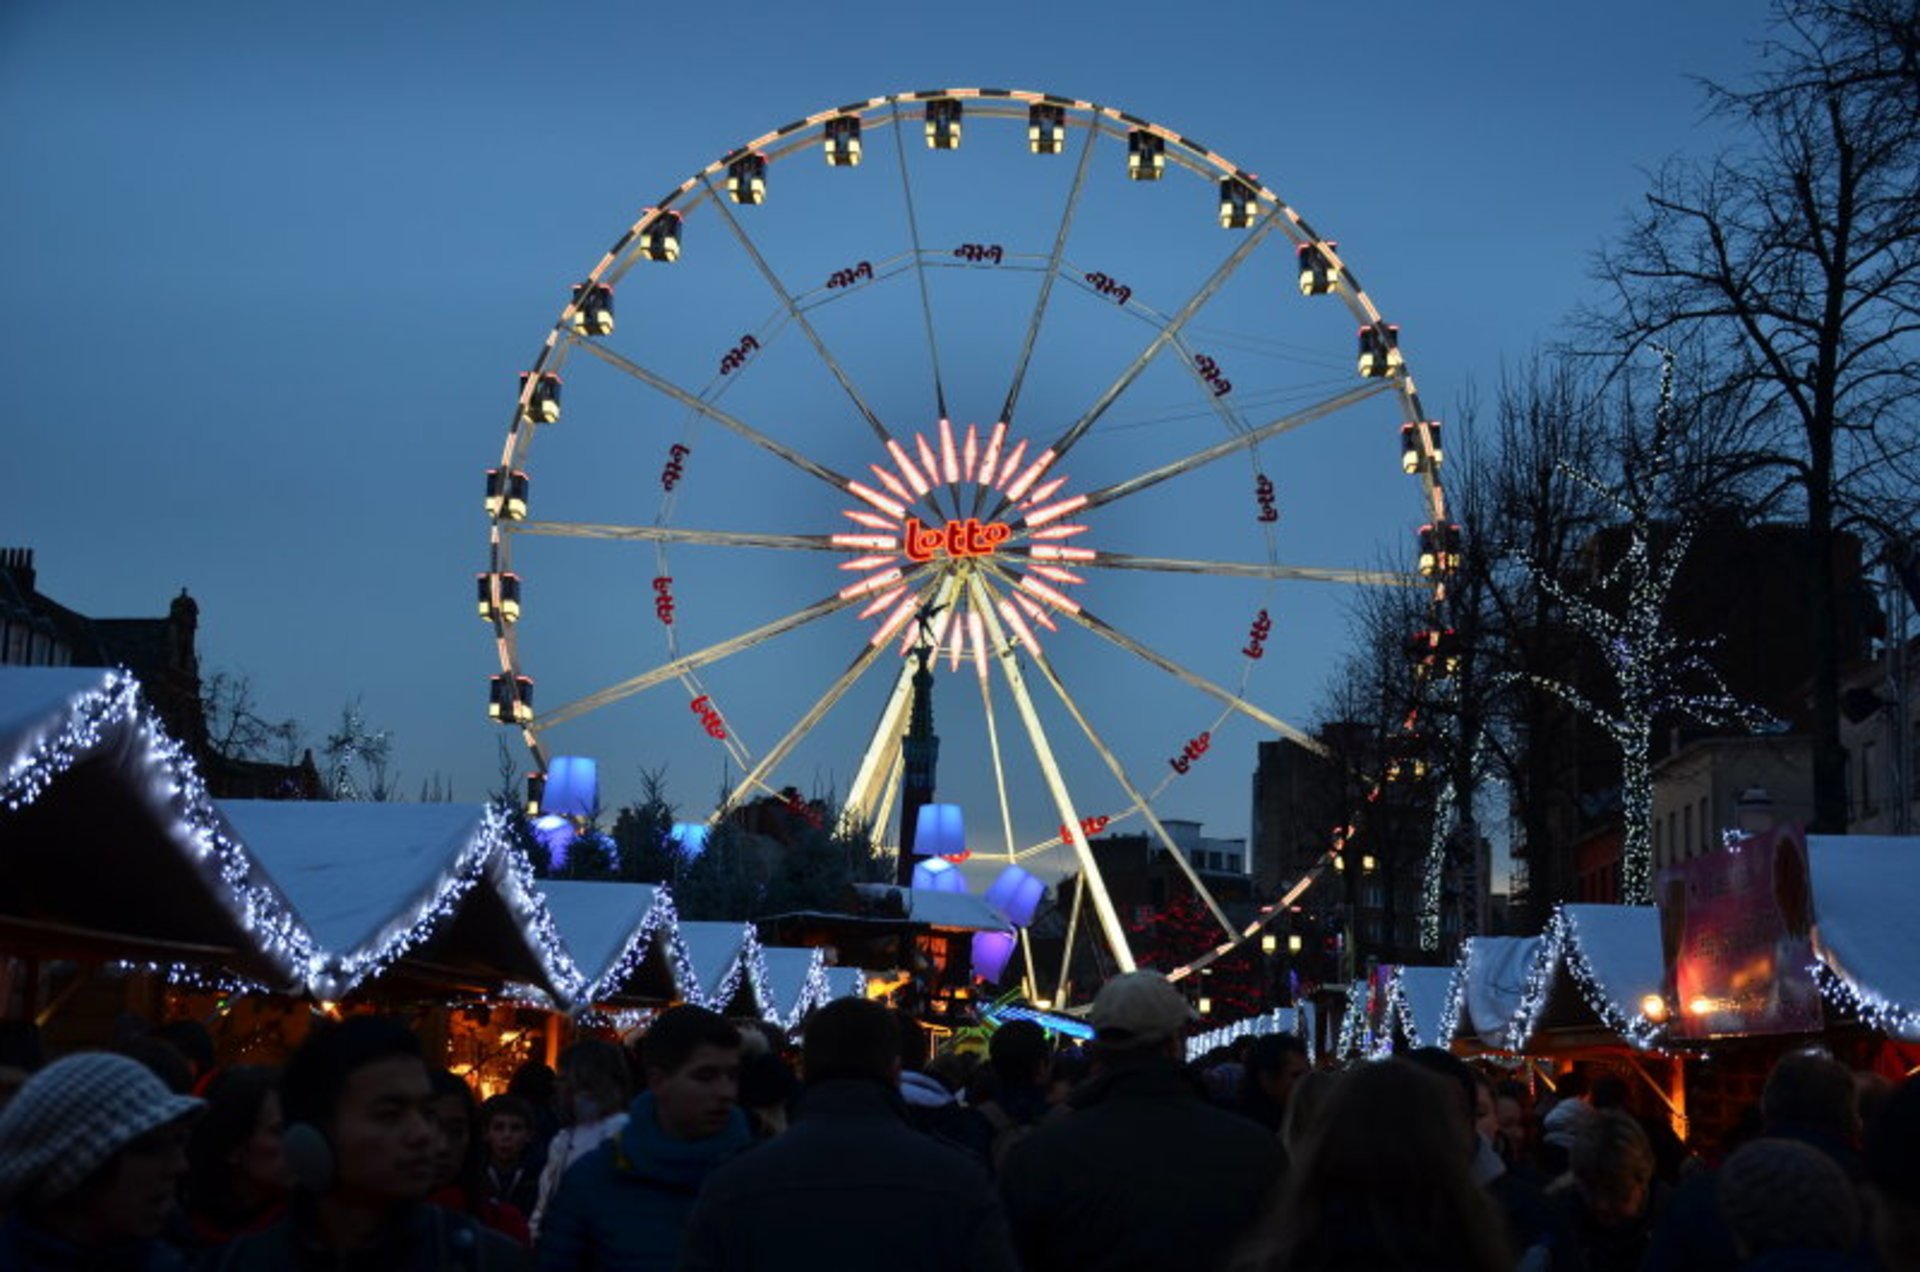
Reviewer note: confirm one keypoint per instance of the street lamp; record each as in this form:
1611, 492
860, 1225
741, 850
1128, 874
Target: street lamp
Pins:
1269, 943
1294, 943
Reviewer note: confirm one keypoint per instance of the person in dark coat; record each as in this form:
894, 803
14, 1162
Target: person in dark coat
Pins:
1808, 1097
850, 1185
1274, 1063
624, 1207
360, 1142
92, 1150
1790, 1209
1144, 1173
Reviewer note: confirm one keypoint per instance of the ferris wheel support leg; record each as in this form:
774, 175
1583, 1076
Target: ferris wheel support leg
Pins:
1120, 775
1056, 783
859, 809
1062, 987
802, 727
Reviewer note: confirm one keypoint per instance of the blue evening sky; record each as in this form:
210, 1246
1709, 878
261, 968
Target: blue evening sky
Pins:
269, 272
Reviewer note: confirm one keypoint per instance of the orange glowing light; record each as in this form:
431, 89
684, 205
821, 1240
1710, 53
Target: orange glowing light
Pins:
968, 538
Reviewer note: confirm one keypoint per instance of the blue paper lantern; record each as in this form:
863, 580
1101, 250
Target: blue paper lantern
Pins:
689, 839
555, 834
573, 787
936, 875
1015, 894
939, 831
991, 950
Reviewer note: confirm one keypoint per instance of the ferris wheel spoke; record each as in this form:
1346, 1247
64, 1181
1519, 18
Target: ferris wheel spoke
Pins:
1165, 336
1119, 772
794, 313
676, 534
919, 264
756, 778
1050, 770
1226, 697
1234, 444
700, 658
724, 419
1046, 279
1249, 570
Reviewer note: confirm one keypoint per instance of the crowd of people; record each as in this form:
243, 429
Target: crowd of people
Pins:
713, 1146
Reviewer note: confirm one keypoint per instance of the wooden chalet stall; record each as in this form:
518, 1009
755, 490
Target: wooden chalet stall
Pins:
117, 873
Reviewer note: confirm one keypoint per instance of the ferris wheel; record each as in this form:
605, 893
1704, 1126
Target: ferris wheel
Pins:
1067, 413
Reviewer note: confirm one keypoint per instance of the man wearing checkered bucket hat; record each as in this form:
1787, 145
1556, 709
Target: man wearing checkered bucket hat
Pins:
92, 1149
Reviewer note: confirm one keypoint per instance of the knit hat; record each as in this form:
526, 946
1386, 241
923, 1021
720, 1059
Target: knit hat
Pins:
1135, 1009
1779, 1194
71, 1117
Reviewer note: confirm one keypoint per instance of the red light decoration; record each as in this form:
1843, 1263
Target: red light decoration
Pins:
968, 538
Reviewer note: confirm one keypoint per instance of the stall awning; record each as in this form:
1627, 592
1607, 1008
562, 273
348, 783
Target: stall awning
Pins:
622, 937
1493, 981
1864, 888
796, 983
951, 911
1425, 1001
110, 848
434, 891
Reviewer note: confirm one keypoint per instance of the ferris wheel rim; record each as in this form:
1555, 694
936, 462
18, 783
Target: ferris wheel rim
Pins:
810, 131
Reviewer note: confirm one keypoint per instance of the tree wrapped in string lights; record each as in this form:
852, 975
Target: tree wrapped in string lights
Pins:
1623, 612
1183, 929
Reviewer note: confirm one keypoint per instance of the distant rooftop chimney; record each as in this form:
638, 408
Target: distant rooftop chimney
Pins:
18, 562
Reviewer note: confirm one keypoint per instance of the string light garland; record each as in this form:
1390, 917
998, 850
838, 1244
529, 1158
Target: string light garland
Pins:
1281, 1020
1869, 1008
114, 714
1456, 995
1560, 947
1648, 661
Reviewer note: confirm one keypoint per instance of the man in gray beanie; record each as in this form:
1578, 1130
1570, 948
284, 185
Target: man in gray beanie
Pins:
92, 1149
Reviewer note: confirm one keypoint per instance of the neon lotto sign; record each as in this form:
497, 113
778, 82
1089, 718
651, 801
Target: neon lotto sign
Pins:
969, 538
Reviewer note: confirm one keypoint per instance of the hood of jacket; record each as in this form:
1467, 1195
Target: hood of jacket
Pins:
645, 1151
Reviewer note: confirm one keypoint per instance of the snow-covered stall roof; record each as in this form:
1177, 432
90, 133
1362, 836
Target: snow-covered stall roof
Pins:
796, 983
1493, 980
717, 961
1864, 888
623, 937
437, 884
846, 982
1609, 957
961, 911
110, 845
1424, 999
1281, 1020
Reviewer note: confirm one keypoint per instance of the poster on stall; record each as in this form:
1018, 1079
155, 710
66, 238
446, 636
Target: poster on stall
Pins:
1734, 930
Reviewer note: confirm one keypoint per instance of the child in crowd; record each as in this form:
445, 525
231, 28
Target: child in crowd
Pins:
507, 1129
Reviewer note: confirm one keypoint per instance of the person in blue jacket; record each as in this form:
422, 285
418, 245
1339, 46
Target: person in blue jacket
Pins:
624, 1206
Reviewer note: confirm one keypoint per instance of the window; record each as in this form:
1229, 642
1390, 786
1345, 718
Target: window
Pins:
1686, 829
1708, 842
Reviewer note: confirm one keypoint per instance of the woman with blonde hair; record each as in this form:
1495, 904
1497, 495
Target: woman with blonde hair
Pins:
1380, 1185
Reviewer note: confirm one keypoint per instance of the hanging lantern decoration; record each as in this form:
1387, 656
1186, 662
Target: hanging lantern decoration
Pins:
556, 835
939, 831
936, 875
1015, 895
689, 838
991, 950
573, 787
